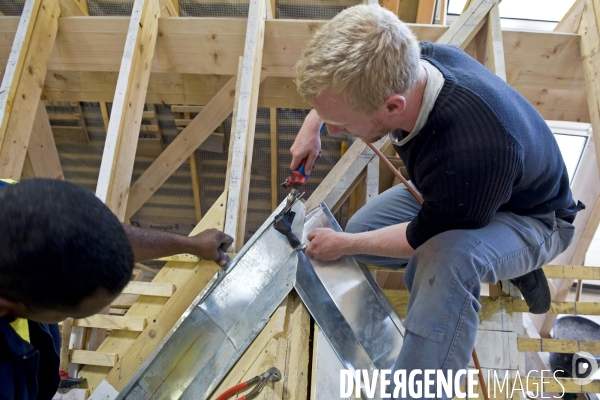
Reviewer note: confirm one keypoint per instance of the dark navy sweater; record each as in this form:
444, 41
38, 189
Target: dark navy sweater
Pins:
483, 149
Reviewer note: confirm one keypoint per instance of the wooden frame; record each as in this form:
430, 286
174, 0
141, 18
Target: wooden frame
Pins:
195, 62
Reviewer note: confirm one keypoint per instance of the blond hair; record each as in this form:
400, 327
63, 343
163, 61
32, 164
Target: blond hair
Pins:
365, 53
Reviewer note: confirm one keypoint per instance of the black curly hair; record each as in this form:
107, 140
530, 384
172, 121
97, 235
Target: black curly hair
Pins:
59, 244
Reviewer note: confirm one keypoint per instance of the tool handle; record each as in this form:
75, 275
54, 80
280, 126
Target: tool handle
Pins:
233, 390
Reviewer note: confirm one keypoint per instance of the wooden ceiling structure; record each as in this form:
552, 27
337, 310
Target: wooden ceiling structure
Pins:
55, 53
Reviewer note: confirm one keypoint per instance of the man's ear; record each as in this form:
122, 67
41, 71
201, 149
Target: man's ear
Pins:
395, 104
11, 307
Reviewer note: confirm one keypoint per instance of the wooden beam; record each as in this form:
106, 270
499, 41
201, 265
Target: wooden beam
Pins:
135, 324
572, 19
425, 12
468, 24
195, 187
589, 30
73, 8
274, 161
161, 312
169, 8
392, 5
490, 49
243, 124
23, 81
42, 155
87, 357
149, 289
201, 127
558, 346
126, 114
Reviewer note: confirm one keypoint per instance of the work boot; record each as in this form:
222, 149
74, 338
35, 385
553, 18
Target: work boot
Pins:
534, 288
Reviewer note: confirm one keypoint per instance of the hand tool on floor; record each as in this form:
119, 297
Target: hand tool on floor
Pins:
420, 200
271, 375
283, 221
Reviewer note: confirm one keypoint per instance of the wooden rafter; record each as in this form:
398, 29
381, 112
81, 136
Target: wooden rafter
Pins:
490, 48
23, 81
42, 156
243, 124
425, 11
73, 8
468, 24
194, 134
572, 19
127, 108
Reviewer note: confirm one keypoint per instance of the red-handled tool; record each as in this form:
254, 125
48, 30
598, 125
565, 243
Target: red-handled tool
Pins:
272, 375
298, 177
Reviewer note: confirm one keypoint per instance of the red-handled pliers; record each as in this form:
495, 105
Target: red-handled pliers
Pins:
272, 375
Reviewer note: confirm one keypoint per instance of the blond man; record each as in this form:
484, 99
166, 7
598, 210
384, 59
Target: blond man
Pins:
497, 203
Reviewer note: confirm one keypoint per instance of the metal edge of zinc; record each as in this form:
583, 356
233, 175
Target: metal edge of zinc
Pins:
205, 344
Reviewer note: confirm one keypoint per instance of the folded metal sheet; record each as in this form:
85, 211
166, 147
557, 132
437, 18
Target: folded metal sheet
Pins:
206, 343
346, 302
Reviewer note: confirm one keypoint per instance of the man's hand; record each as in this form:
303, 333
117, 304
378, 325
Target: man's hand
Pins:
308, 143
327, 244
206, 245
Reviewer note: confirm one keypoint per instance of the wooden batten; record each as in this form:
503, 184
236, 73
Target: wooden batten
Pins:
23, 81
42, 156
243, 125
126, 115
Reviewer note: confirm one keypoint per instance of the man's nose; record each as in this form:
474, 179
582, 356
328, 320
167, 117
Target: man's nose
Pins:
334, 129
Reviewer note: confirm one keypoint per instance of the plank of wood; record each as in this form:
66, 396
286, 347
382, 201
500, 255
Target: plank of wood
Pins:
86, 357
195, 186
73, 8
127, 108
494, 51
296, 374
162, 313
243, 124
274, 161
65, 336
180, 149
392, 5
558, 345
468, 24
41, 151
425, 11
571, 20
134, 324
149, 289
169, 8
571, 272
23, 81
589, 29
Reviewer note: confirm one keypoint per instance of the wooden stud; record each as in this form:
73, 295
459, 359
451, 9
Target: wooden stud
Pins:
149, 289
589, 29
86, 357
73, 8
201, 127
490, 49
135, 324
243, 125
392, 5
169, 8
65, 335
274, 161
558, 346
42, 155
468, 24
23, 81
104, 112
126, 116
572, 19
195, 187
425, 12
162, 312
